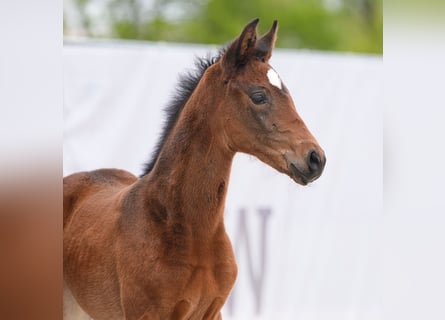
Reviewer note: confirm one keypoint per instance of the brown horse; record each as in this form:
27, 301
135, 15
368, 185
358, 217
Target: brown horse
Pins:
155, 247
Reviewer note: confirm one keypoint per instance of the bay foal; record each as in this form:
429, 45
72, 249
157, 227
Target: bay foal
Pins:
155, 247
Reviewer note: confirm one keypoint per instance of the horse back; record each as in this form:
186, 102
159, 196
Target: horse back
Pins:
79, 186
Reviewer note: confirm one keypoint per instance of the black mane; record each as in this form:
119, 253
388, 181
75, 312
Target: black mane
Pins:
187, 84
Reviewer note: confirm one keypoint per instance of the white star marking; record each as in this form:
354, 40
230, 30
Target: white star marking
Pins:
274, 78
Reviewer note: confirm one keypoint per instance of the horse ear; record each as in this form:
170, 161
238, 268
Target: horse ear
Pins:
266, 43
243, 47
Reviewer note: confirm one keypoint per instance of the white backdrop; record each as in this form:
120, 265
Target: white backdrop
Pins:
303, 252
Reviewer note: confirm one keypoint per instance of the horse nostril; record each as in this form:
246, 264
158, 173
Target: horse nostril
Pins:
314, 161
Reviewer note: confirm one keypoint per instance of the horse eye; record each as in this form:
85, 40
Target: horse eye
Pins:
258, 98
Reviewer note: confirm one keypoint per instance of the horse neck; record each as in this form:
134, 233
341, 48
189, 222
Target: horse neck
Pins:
191, 174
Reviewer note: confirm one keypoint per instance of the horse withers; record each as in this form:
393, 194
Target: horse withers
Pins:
155, 246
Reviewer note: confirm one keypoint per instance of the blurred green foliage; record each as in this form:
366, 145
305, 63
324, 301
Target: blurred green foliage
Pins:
345, 25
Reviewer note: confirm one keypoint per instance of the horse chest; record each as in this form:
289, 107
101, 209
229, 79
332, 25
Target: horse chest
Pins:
203, 291
203, 274
188, 281
201, 267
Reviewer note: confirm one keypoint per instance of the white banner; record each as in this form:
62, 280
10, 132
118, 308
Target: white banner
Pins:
303, 252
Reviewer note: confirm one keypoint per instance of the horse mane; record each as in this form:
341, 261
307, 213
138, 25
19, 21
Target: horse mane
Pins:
187, 83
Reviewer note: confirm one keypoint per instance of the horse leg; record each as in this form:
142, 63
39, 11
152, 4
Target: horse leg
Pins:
180, 312
71, 309
213, 312
182, 309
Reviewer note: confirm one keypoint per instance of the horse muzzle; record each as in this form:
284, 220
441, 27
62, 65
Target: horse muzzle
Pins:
308, 170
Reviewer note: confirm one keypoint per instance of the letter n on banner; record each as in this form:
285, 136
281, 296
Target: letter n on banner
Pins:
256, 269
